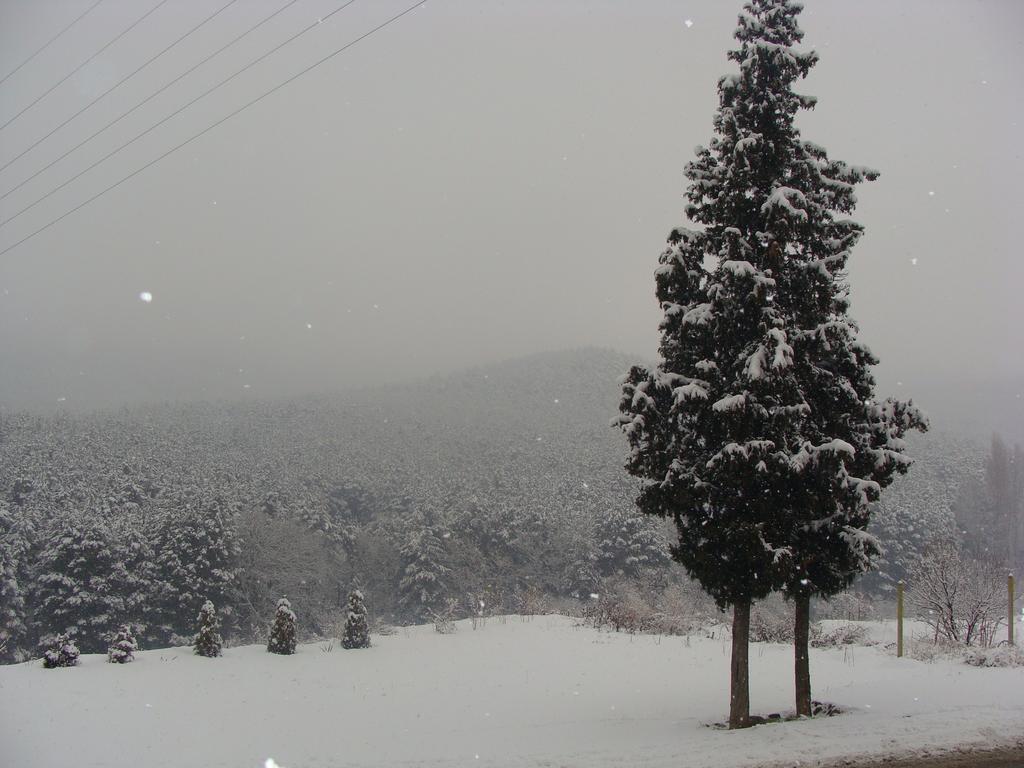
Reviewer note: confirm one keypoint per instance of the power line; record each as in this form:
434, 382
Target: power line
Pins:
209, 128
52, 88
50, 41
224, 119
118, 84
179, 110
152, 96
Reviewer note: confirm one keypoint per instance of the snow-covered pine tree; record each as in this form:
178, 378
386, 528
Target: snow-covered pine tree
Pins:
733, 434
357, 628
580, 574
135, 579
14, 545
60, 651
76, 579
282, 631
198, 554
208, 641
629, 543
423, 586
123, 647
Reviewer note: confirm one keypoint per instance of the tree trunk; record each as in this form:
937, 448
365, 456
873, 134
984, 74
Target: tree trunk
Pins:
739, 699
802, 667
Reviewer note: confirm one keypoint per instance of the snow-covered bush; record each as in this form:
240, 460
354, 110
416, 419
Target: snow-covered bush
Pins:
444, 620
961, 599
843, 634
999, 656
357, 629
123, 647
61, 652
849, 606
208, 641
771, 622
282, 631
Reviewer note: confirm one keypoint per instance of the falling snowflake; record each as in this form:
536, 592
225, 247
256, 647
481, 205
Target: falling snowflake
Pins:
688, 23
913, 261
309, 326
146, 296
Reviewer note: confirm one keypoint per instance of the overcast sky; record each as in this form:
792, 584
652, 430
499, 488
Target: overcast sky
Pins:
479, 180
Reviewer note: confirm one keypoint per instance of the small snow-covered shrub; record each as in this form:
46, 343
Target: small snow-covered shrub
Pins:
444, 622
383, 629
844, 634
357, 629
924, 649
771, 623
999, 656
282, 631
626, 606
532, 602
851, 606
825, 709
123, 647
960, 598
60, 652
619, 615
208, 640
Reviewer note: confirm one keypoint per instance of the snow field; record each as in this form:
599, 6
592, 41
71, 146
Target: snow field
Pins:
518, 692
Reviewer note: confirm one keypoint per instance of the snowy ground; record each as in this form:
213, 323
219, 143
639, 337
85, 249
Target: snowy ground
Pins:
540, 692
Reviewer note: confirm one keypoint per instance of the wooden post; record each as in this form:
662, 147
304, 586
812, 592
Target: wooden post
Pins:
899, 619
1010, 615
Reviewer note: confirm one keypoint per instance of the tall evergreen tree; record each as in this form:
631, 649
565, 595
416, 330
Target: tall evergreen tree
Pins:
734, 434
197, 561
14, 544
76, 582
423, 585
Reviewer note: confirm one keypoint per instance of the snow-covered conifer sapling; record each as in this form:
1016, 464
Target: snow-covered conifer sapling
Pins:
123, 647
61, 652
208, 641
357, 628
282, 631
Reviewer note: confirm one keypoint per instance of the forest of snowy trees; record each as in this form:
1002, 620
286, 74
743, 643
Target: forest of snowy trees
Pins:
475, 488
